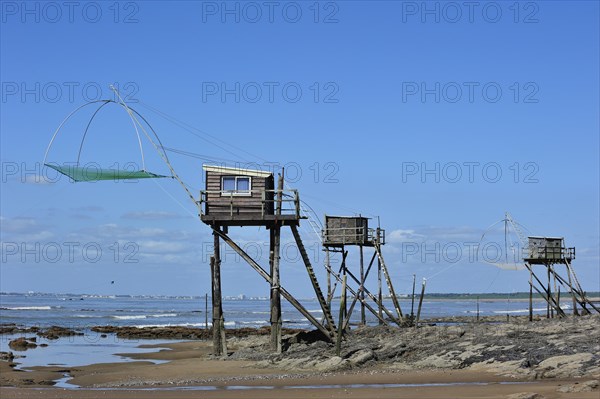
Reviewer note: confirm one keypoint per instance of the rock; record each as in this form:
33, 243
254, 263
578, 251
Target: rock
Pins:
21, 344
564, 366
587, 386
525, 395
330, 364
447, 360
360, 357
56, 332
7, 356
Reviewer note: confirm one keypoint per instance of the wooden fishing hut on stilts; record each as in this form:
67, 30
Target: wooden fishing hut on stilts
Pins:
235, 197
339, 233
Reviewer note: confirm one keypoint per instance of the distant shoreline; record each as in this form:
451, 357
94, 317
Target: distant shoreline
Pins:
593, 295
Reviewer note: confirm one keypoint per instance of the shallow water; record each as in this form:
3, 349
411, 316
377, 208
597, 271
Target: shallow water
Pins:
79, 350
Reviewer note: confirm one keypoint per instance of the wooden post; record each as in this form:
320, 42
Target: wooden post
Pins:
412, 301
275, 290
420, 303
380, 295
338, 342
275, 245
344, 293
219, 342
556, 291
530, 294
363, 318
549, 309
206, 310
328, 267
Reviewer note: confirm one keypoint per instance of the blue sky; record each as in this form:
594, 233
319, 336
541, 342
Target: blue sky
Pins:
435, 117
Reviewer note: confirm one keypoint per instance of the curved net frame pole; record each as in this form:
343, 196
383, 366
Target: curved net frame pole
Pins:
65, 121
156, 146
86, 130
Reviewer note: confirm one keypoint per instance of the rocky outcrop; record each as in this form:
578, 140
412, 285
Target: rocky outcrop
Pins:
587, 386
55, 332
556, 348
22, 344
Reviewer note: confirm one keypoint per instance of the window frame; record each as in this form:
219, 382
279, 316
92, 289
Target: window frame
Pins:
236, 192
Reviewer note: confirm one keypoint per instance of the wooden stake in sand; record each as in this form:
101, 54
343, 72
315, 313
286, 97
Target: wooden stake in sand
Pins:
420, 302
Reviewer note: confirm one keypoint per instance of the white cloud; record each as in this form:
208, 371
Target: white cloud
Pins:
402, 235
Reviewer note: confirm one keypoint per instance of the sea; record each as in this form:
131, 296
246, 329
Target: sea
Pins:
82, 312
86, 311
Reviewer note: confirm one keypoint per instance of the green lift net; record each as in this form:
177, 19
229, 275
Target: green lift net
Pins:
89, 173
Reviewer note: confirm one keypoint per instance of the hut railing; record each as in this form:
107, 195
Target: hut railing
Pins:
549, 253
234, 201
353, 235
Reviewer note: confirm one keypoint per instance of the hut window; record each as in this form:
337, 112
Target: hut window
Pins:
235, 185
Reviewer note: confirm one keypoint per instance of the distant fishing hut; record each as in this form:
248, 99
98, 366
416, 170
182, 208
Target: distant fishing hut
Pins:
549, 252
340, 232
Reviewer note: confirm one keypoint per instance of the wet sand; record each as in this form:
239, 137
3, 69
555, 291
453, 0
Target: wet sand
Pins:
189, 370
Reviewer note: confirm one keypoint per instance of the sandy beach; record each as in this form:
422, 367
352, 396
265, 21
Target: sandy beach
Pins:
548, 358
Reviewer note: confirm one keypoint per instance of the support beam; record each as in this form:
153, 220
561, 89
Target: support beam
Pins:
549, 300
356, 298
583, 302
313, 279
388, 280
575, 311
372, 297
289, 297
547, 297
369, 307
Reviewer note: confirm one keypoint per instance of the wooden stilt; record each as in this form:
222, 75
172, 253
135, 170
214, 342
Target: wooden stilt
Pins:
340, 333
275, 293
546, 294
530, 294
344, 293
556, 291
549, 310
219, 342
363, 319
275, 245
327, 267
380, 294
